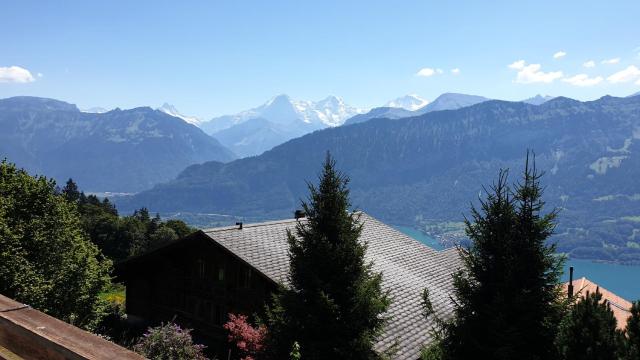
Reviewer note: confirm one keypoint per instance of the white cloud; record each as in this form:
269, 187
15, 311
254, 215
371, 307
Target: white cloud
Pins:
455, 71
529, 74
426, 72
517, 65
15, 74
589, 64
638, 82
439, 71
626, 75
559, 55
611, 61
583, 80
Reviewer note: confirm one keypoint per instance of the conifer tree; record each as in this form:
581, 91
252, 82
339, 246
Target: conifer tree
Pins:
333, 308
71, 192
632, 350
507, 302
588, 331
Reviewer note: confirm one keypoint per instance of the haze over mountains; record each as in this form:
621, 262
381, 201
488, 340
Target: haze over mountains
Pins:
119, 150
426, 169
280, 119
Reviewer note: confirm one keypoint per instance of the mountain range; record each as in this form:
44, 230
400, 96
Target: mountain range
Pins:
117, 151
254, 131
411, 102
538, 99
171, 110
426, 169
446, 101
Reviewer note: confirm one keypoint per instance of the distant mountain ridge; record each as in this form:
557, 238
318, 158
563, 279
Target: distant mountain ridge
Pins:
446, 101
426, 169
411, 102
95, 110
280, 119
118, 151
538, 99
452, 101
171, 110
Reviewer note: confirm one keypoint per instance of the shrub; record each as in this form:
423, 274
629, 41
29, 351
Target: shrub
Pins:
169, 342
248, 340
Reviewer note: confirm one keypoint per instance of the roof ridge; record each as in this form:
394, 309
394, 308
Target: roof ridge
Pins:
266, 223
250, 225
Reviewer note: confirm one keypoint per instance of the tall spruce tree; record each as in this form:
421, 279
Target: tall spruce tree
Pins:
588, 331
632, 350
333, 308
508, 301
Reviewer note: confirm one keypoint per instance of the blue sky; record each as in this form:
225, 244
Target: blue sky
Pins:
216, 57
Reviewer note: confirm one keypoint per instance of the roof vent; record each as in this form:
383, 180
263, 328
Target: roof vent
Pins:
239, 225
299, 214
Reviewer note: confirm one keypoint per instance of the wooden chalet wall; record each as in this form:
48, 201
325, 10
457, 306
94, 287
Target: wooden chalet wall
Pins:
196, 282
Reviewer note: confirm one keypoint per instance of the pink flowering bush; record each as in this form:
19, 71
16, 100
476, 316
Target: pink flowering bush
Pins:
169, 342
247, 339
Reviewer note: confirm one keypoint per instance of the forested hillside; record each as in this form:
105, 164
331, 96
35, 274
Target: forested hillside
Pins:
117, 151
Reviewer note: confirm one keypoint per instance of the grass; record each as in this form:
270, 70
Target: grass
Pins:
116, 293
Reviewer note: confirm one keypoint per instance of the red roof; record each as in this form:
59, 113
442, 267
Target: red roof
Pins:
620, 306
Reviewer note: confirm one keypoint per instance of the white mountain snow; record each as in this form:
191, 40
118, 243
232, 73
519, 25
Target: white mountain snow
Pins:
171, 110
409, 102
282, 110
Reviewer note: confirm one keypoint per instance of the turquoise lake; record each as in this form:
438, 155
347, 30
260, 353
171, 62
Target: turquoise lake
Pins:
623, 280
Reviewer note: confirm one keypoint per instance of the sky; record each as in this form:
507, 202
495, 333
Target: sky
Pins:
210, 58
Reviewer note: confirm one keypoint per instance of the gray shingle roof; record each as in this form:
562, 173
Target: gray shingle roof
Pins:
407, 266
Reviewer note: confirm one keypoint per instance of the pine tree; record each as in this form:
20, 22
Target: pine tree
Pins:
507, 303
334, 306
588, 331
633, 333
71, 192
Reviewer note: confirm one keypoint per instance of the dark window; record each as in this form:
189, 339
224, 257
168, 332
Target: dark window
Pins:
202, 273
245, 279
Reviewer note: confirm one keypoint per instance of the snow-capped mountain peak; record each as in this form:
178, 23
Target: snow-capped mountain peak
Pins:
171, 110
330, 111
538, 99
411, 102
281, 109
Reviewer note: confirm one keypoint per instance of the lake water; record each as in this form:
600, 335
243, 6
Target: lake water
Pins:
623, 280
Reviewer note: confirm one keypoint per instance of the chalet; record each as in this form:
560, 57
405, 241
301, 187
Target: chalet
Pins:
199, 279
